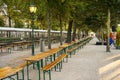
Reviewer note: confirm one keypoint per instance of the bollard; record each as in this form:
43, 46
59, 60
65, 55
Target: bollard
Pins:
42, 45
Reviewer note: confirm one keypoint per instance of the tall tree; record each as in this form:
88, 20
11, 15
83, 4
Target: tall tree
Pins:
60, 13
69, 31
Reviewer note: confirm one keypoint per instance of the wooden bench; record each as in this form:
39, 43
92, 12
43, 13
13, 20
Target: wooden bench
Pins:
4, 68
7, 72
22, 66
76, 47
7, 47
72, 50
39, 59
57, 61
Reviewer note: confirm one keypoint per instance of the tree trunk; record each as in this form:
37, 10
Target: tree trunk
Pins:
79, 33
49, 29
9, 20
69, 32
108, 32
99, 30
74, 32
60, 30
102, 35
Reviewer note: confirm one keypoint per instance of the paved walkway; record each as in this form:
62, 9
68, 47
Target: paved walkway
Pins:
91, 63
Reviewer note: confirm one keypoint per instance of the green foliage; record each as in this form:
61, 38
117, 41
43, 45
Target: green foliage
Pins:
2, 21
118, 39
81, 11
118, 29
19, 24
6, 39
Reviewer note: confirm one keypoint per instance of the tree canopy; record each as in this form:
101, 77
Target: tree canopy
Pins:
86, 14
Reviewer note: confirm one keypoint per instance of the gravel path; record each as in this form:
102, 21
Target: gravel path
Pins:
18, 56
91, 63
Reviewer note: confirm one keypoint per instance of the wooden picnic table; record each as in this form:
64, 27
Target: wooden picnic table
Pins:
39, 59
7, 72
64, 45
5, 46
21, 43
2, 44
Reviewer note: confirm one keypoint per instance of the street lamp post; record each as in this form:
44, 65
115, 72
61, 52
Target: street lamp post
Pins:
32, 11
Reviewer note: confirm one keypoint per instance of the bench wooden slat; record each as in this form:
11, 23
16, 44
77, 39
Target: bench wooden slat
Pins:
49, 66
43, 55
24, 65
52, 64
8, 71
4, 69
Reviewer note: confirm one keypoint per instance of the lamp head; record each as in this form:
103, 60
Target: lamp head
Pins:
33, 9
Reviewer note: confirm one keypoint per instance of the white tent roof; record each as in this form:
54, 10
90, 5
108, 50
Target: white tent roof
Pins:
25, 30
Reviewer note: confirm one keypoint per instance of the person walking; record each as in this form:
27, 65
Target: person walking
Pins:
112, 42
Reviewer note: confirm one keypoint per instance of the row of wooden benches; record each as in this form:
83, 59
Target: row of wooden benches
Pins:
8, 47
21, 45
7, 72
57, 63
77, 46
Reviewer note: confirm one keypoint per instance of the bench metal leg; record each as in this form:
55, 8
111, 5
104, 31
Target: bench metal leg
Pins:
54, 57
49, 71
44, 75
33, 65
70, 54
17, 76
61, 64
51, 58
23, 74
12, 79
42, 63
39, 67
63, 60
46, 61
56, 67
9, 50
67, 58
49, 74
27, 71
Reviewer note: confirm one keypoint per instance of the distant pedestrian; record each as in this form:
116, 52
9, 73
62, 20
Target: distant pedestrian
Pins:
111, 41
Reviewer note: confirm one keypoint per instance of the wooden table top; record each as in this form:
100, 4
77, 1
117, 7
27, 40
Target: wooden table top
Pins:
64, 45
43, 55
8, 71
2, 44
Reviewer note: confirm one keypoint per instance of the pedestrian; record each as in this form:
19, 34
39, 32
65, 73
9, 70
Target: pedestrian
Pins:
111, 41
